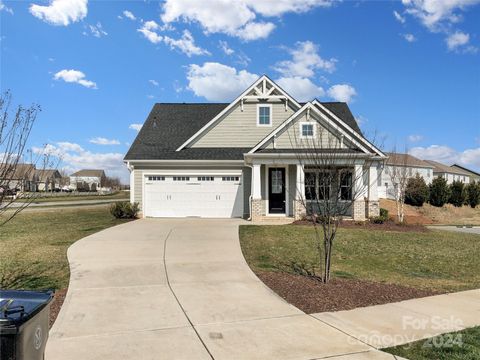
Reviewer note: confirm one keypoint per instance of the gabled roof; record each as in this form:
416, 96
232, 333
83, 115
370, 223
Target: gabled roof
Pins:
442, 168
341, 110
89, 173
398, 159
20, 171
471, 172
44, 175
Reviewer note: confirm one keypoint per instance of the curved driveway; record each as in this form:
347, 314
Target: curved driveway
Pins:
181, 289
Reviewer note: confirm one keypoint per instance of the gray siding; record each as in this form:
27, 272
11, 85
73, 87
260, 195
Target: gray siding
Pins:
292, 187
247, 190
239, 128
137, 187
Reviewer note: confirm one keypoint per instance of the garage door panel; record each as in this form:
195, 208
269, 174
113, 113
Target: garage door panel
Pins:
169, 198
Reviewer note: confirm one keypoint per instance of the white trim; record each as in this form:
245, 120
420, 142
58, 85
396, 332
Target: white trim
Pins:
267, 186
233, 103
258, 115
314, 129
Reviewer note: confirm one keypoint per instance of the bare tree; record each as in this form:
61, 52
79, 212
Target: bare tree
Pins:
398, 170
336, 182
17, 178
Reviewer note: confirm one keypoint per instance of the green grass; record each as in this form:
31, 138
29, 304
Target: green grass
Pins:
461, 345
40, 198
34, 245
435, 260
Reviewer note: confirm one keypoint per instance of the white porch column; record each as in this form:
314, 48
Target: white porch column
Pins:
300, 188
256, 182
372, 183
360, 188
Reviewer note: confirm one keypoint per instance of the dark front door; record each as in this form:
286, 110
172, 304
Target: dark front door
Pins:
276, 190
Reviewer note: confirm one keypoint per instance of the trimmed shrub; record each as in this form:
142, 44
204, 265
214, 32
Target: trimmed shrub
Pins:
124, 210
416, 191
382, 218
439, 192
473, 194
457, 194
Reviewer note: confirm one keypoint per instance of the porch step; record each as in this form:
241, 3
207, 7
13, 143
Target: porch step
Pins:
274, 220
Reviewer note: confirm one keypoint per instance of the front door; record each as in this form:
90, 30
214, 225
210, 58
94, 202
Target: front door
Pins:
276, 190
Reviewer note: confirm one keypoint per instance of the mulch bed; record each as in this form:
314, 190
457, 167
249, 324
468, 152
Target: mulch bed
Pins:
56, 304
312, 296
387, 226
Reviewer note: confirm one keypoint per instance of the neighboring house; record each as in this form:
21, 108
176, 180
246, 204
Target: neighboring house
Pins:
238, 159
474, 176
404, 165
449, 173
23, 179
87, 180
48, 179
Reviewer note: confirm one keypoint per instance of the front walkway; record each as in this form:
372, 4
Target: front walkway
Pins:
181, 289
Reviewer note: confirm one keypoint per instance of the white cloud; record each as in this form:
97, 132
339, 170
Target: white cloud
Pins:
448, 156
61, 12
235, 18
415, 138
399, 17
153, 82
342, 92
305, 60
456, 40
148, 30
225, 48
96, 30
104, 141
185, 44
75, 76
302, 89
135, 127
129, 15
5, 8
409, 37
218, 82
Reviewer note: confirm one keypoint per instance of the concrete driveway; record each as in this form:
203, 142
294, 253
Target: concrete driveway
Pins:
181, 289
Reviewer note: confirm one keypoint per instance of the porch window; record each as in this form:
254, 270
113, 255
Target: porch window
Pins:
310, 185
264, 115
317, 185
324, 185
346, 185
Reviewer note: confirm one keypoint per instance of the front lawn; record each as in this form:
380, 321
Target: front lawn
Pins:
46, 197
434, 260
34, 245
461, 345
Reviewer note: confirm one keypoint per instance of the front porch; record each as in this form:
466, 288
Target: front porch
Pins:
279, 193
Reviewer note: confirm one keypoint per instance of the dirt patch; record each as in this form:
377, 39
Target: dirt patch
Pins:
312, 296
411, 213
387, 226
56, 304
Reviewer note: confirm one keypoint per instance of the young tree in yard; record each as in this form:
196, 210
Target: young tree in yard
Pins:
416, 192
473, 194
439, 192
457, 194
399, 175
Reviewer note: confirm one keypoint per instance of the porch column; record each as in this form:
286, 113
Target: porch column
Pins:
373, 206
299, 210
256, 182
359, 192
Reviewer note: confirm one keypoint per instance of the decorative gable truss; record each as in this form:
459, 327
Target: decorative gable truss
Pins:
322, 129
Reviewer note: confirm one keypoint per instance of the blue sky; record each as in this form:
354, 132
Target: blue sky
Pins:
409, 70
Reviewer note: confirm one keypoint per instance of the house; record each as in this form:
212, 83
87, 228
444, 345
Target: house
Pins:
474, 176
87, 180
24, 177
401, 165
238, 159
48, 179
449, 173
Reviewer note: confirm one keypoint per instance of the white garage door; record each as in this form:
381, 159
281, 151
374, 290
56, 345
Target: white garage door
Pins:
188, 195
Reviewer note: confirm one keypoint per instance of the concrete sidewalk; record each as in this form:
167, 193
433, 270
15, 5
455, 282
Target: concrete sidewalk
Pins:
181, 289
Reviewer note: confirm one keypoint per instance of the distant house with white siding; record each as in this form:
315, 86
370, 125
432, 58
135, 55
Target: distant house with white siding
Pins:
48, 179
449, 173
87, 180
474, 176
405, 164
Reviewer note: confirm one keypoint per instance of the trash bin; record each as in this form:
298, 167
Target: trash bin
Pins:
24, 319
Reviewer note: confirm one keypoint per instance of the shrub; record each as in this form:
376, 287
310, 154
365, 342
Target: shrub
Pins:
439, 192
383, 217
416, 191
457, 194
124, 210
473, 193
384, 213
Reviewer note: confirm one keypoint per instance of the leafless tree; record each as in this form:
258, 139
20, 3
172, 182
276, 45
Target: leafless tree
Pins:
399, 172
16, 177
112, 182
336, 176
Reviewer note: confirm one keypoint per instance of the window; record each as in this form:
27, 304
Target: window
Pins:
346, 186
181, 178
317, 185
230, 178
324, 179
156, 178
205, 178
307, 130
310, 185
264, 115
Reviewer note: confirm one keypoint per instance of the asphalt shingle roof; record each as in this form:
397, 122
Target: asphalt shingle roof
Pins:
406, 160
442, 168
89, 173
169, 125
